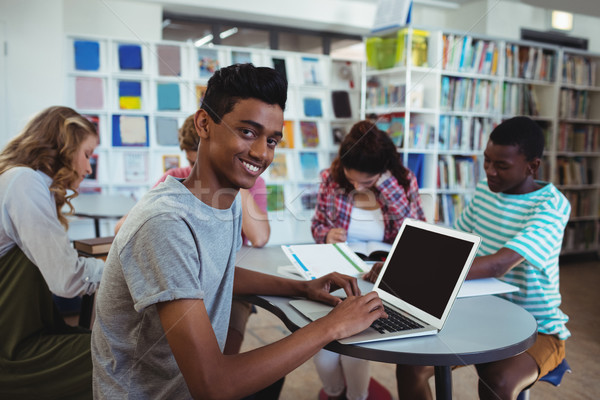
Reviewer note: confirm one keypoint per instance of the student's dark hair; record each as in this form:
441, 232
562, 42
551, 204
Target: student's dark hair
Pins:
522, 132
368, 149
242, 81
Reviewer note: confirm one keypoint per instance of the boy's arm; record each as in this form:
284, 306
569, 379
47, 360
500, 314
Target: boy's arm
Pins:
247, 282
210, 374
494, 265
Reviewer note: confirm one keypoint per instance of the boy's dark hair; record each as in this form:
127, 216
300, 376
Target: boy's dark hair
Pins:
368, 149
242, 81
522, 132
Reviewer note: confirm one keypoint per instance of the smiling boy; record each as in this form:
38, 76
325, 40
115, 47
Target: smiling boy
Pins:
164, 302
521, 221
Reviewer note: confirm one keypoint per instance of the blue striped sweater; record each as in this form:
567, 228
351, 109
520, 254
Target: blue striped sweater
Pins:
533, 225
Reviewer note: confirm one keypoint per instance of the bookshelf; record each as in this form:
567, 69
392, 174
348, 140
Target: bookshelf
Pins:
440, 101
139, 94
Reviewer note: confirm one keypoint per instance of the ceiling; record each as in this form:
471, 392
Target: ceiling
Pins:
585, 7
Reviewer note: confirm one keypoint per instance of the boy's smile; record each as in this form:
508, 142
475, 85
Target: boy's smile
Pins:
507, 170
233, 153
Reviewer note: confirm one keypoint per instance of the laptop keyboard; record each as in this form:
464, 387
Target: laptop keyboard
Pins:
394, 323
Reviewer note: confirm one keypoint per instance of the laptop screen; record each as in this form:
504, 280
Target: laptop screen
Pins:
424, 268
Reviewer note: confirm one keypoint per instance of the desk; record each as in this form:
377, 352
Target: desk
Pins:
478, 329
98, 206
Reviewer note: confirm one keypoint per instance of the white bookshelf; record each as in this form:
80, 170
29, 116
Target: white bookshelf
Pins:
465, 95
133, 169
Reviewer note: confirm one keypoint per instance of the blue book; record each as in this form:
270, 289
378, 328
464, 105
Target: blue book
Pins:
312, 107
130, 57
87, 55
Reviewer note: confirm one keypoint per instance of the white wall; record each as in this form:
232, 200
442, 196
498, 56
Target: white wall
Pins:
34, 60
35, 34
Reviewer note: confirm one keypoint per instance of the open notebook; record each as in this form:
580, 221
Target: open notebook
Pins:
419, 281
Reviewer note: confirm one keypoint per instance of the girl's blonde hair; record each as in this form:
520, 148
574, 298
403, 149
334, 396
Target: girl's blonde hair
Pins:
48, 143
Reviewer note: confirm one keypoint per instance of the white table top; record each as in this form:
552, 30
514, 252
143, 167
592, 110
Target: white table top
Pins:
479, 329
102, 205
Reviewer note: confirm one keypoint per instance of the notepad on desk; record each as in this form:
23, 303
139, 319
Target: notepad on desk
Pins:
316, 260
371, 251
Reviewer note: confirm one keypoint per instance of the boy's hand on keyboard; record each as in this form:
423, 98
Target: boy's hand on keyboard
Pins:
355, 314
320, 289
372, 275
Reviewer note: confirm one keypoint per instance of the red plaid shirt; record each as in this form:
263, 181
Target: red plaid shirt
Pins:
334, 207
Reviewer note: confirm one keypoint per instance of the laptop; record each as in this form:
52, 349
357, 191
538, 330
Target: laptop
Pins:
420, 280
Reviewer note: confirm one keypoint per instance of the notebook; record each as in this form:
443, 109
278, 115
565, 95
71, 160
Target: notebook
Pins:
420, 279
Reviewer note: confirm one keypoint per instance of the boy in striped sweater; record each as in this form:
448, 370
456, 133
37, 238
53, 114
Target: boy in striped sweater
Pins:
521, 222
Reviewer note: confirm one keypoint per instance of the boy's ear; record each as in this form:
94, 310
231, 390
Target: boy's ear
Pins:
533, 166
201, 122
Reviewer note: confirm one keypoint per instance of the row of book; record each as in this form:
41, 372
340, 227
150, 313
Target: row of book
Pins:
574, 104
464, 54
306, 197
528, 62
474, 95
579, 70
449, 207
309, 166
457, 172
581, 235
575, 171
393, 124
420, 135
582, 202
464, 133
520, 99
380, 95
581, 138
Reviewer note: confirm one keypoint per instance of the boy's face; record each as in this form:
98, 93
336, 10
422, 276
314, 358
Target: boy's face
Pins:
242, 146
507, 170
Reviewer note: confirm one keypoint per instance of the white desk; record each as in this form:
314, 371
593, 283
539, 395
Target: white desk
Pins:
479, 329
98, 206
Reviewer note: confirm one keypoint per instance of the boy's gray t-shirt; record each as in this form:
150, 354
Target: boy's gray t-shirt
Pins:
172, 246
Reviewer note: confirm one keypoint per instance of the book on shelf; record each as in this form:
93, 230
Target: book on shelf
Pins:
312, 107
340, 100
371, 250
86, 55
241, 57
200, 91
94, 246
308, 195
309, 165
278, 168
135, 166
338, 132
311, 71
130, 130
275, 198
170, 161
169, 60
130, 95
416, 163
310, 133
343, 74
89, 92
279, 66
287, 141
208, 62
130, 57
167, 131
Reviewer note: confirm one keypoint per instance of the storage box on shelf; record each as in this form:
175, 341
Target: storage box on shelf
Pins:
139, 94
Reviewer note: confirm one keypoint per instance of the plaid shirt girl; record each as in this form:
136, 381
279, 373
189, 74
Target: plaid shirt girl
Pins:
334, 206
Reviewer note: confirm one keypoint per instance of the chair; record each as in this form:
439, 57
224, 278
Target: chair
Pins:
554, 377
